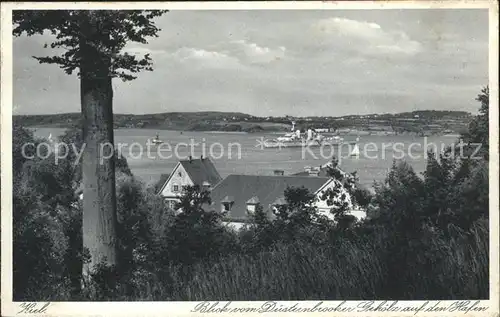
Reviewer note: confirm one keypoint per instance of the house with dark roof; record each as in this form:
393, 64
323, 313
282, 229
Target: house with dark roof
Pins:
190, 172
320, 171
239, 195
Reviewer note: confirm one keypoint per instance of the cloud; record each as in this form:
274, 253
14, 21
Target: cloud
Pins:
202, 57
139, 50
376, 39
399, 60
255, 54
239, 54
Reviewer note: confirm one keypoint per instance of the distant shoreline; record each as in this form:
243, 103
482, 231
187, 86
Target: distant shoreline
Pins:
152, 129
269, 132
418, 123
223, 132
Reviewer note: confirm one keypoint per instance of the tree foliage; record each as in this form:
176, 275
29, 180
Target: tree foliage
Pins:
94, 45
478, 131
196, 232
107, 32
345, 195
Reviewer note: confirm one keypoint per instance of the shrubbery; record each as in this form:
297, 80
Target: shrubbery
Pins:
426, 237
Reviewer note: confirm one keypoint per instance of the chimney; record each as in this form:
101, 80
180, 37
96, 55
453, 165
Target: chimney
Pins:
279, 172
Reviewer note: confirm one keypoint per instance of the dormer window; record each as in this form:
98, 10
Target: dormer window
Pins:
227, 203
252, 204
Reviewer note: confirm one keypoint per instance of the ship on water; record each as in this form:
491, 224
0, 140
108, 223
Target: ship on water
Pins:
308, 139
156, 140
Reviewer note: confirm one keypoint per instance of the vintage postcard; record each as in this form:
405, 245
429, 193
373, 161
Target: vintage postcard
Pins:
249, 158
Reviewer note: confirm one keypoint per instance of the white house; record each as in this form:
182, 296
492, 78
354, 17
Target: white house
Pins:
201, 172
238, 195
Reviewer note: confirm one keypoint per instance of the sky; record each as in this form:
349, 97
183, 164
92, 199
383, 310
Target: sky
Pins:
276, 63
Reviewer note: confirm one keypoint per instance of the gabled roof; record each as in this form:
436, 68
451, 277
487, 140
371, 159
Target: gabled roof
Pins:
161, 182
268, 189
253, 201
227, 199
200, 171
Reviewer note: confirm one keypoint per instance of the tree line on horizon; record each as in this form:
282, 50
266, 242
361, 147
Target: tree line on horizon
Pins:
64, 119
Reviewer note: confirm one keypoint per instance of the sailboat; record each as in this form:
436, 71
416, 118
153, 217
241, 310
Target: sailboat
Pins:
53, 144
355, 150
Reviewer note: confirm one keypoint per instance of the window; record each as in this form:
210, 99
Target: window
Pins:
180, 174
172, 204
175, 188
251, 208
227, 203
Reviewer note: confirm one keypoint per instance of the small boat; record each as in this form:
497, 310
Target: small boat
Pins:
156, 140
355, 151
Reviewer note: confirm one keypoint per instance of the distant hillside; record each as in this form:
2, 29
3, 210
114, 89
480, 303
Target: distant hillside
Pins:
418, 122
428, 114
169, 121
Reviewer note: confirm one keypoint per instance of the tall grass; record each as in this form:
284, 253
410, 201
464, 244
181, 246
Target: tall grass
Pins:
464, 269
351, 272
452, 267
292, 272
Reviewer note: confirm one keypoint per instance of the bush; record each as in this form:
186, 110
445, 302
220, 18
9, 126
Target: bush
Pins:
39, 249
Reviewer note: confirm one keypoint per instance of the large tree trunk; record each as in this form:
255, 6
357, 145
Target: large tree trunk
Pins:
98, 170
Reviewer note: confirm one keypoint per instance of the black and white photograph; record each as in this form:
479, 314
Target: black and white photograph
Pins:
245, 158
